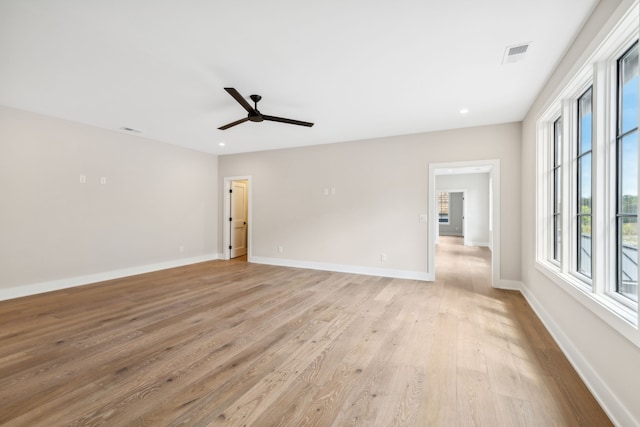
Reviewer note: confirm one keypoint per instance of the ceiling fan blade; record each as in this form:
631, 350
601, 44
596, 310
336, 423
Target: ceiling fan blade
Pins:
236, 95
237, 122
289, 121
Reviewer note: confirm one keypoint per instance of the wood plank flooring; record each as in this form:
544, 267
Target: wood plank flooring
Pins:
235, 344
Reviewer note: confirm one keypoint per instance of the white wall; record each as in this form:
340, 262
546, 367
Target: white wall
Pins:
477, 204
380, 191
57, 232
606, 360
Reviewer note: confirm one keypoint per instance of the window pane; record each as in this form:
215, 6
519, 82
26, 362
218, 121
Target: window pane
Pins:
557, 243
557, 189
583, 241
585, 120
627, 177
557, 179
584, 245
629, 174
629, 90
584, 184
628, 255
443, 207
557, 142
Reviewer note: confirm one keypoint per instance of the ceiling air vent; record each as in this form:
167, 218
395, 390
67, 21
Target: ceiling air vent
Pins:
515, 53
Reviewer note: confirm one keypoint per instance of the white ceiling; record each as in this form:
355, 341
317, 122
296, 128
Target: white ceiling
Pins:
357, 68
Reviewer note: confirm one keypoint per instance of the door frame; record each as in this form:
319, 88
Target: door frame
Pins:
226, 235
494, 213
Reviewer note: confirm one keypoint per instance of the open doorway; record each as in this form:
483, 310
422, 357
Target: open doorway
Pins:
237, 217
479, 183
451, 213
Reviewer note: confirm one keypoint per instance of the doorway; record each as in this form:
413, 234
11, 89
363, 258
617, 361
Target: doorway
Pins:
237, 217
491, 225
451, 213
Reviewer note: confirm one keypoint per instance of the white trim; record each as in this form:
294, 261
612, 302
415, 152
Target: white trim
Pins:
226, 238
480, 244
341, 268
509, 285
70, 282
494, 208
618, 413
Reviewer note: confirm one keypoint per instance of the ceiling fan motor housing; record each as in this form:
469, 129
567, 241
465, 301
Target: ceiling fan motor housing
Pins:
255, 117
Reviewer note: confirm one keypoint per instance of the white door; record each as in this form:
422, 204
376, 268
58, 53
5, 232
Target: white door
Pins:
238, 218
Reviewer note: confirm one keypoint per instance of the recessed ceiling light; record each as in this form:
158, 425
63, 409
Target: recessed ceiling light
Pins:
464, 111
221, 144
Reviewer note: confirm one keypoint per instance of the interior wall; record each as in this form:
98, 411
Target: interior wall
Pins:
477, 203
606, 360
375, 192
158, 203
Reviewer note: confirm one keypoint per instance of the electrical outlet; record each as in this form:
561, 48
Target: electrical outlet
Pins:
181, 249
83, 179
280, 249
383, 257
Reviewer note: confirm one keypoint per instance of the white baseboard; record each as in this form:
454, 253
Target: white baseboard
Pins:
508, 285
54, 285
619, 414
480, 244
340, 268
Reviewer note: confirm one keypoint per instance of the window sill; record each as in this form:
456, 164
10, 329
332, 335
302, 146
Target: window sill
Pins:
620, 317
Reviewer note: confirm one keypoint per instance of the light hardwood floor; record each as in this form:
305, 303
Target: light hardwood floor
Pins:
234, 343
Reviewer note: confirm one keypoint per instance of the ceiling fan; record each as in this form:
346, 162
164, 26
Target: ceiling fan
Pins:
255, 115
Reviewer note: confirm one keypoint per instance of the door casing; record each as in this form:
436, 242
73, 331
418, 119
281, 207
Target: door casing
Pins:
226, 235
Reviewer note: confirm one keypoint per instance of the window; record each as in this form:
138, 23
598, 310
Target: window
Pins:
627, 176
587, 181
583, 163
443, 207
557, 190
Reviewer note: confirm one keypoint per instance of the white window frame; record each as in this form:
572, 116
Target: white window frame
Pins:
611, 289
571, 111
576, 200
552, 190
597, 293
